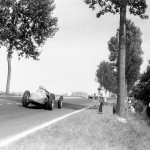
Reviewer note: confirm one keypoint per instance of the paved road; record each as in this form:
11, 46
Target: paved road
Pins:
15, 119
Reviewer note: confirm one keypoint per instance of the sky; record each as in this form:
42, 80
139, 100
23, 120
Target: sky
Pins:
69, 60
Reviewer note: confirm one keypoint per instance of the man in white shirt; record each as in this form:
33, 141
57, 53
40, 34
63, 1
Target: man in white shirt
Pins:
100, 98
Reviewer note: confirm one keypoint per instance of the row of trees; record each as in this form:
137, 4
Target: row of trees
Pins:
137, 7
138, 85
24, 27
107, 72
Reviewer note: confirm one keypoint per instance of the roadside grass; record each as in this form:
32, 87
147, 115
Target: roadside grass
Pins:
89, 130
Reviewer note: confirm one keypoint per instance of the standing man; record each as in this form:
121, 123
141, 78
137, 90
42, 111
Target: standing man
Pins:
100, 98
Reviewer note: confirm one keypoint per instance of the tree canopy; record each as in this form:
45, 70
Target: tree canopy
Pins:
106, 77
25, 25
133, 53
137, 7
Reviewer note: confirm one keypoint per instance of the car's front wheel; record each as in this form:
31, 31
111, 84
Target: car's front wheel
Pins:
25, 99
51, 101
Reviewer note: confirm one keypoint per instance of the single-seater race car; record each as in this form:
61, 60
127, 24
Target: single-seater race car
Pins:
43, 97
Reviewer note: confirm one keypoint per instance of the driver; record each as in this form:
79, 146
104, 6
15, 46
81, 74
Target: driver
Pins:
40, 94
41, 87
42, 91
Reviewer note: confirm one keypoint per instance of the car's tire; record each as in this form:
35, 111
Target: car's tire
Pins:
25, 101
51, 101
60, 101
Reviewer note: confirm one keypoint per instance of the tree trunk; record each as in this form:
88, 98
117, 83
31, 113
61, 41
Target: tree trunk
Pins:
121, 66
9, 73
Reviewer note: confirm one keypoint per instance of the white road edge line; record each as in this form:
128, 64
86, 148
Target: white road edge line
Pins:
25, 133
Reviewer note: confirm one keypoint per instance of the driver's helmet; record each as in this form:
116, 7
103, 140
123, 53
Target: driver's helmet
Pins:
41, 87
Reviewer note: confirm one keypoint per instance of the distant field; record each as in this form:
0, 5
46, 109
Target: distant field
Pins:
12, 93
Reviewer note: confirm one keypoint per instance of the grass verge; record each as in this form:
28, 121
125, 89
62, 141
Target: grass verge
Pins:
89, 130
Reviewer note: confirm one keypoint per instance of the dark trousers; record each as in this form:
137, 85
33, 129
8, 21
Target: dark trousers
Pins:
100, 106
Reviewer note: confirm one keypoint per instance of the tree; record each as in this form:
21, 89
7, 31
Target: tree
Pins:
142, 90
137, 7
24, 27
106, 77
133, 53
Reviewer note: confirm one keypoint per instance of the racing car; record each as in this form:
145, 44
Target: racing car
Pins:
48, 100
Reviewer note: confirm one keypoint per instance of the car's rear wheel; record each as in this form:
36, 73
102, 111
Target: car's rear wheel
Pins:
25, 99
60, 102
51, 101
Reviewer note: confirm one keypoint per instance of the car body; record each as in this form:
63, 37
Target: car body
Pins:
48, 101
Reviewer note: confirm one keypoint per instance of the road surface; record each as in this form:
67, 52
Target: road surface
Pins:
15, 119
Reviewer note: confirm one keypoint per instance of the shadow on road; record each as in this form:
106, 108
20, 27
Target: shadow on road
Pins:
66, 105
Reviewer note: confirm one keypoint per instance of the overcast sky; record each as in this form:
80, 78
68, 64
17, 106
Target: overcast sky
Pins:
69, 60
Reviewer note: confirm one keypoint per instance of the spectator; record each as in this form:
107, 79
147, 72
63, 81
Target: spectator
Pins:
100, 98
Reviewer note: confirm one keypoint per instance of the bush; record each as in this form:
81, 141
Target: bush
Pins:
138, 106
